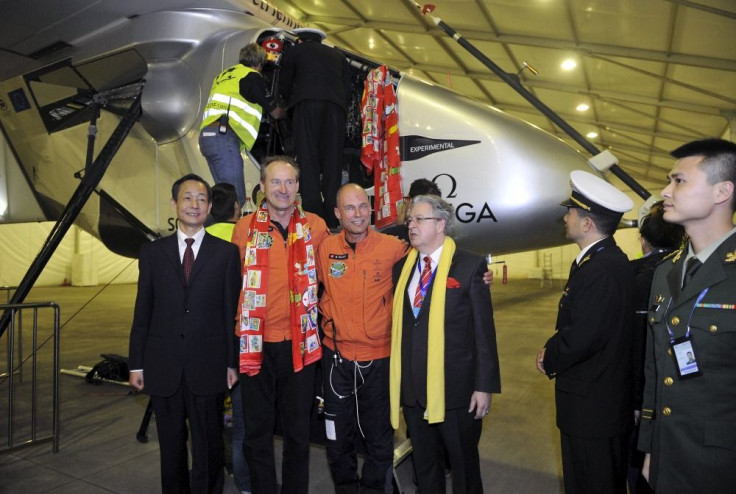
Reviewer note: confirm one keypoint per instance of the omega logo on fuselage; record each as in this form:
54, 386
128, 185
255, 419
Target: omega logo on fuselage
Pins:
464, 212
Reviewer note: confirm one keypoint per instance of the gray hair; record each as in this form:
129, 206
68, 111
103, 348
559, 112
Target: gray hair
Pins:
252, 55
440, 209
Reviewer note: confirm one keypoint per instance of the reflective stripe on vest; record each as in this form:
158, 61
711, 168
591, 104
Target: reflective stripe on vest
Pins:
244, 117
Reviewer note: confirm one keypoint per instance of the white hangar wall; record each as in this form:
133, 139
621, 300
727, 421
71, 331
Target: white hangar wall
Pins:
81, 259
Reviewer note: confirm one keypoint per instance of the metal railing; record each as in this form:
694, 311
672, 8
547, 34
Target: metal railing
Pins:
14, 381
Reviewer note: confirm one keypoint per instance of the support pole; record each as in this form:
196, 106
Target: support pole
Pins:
89, 182
515, 83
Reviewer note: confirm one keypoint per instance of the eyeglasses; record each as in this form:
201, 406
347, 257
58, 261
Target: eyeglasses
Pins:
418, 220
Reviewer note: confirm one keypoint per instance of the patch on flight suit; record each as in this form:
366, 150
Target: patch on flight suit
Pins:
338, 256
337, 269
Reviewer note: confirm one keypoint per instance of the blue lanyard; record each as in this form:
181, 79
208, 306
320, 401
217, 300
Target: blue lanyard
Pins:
687, 333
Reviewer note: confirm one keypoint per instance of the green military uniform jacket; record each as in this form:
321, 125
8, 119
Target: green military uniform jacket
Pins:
689, 425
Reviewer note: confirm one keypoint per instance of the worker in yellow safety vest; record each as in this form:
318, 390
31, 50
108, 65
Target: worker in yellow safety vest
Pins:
232, 117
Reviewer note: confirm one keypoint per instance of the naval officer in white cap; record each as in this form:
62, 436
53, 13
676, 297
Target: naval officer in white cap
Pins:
589, 356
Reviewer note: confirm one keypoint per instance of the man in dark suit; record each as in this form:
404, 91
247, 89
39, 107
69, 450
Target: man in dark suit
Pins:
689, 411
183, 344
315, 81
590, 355
444, 362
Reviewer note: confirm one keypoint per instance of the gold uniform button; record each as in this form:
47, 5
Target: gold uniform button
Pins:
713, 329
668, 381
669, 351
651, 320
675, 321
666, 411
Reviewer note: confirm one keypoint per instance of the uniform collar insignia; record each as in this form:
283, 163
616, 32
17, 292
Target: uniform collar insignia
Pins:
730, 256
582, 261
677, 256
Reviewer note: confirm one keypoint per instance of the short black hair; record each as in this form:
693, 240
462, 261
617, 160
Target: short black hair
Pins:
604, 223
223, 199
423, 187
190, 176
659, 233
719, 160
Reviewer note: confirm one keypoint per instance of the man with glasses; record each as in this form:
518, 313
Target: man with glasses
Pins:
354, 267
444, 362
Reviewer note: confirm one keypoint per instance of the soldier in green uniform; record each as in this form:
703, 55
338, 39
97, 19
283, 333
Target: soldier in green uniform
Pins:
688, 427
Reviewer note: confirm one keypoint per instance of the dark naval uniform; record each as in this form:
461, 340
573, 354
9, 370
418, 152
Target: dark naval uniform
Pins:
689, 425
590, 357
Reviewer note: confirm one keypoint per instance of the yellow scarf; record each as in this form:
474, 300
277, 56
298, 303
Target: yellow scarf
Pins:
436, 338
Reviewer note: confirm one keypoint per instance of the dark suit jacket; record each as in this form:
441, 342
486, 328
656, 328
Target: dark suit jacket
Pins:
181, 329
693, 443
590, 355
471, 357
313, 71
643, 275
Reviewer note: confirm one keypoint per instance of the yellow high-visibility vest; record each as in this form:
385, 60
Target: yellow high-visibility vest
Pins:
244, 117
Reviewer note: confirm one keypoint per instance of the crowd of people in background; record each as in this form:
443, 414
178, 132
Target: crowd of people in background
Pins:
401, 321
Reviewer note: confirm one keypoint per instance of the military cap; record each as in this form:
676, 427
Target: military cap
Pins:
595, 195
310, 33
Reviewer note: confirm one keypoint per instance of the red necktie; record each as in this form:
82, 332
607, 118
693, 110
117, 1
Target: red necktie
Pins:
423, 282
188, 262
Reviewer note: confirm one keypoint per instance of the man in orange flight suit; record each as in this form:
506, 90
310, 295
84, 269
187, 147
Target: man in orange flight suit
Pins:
355, 269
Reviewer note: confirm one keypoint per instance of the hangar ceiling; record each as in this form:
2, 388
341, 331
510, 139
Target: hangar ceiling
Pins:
654, 73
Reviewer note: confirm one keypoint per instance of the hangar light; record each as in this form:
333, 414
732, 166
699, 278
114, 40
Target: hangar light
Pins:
582, 107
591, 135
569, 64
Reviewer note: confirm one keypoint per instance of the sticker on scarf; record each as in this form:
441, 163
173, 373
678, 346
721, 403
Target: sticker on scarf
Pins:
312, 314
312, 343
684, 353
386, 210
244, 322
304, 319
255, 323
337, 269
254, 343
310, 296
251, 256
307, 233
310, 255
254, 279
264, 241
249, 300
312, 275
262, 216
299, 230
261, 300
243, 344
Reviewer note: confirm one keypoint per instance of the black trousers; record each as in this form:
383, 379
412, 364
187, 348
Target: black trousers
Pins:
357, 403
277, 389
459, 435
319, 144
594, 465
205, 417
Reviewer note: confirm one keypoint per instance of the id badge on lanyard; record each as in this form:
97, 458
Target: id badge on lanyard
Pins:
683, 348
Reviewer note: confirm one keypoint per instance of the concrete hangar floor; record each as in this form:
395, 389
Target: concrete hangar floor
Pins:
99, 453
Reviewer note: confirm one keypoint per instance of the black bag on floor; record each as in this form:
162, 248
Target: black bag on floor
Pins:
112, 367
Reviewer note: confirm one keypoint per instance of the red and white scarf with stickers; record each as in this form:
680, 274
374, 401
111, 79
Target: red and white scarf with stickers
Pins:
302, 280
